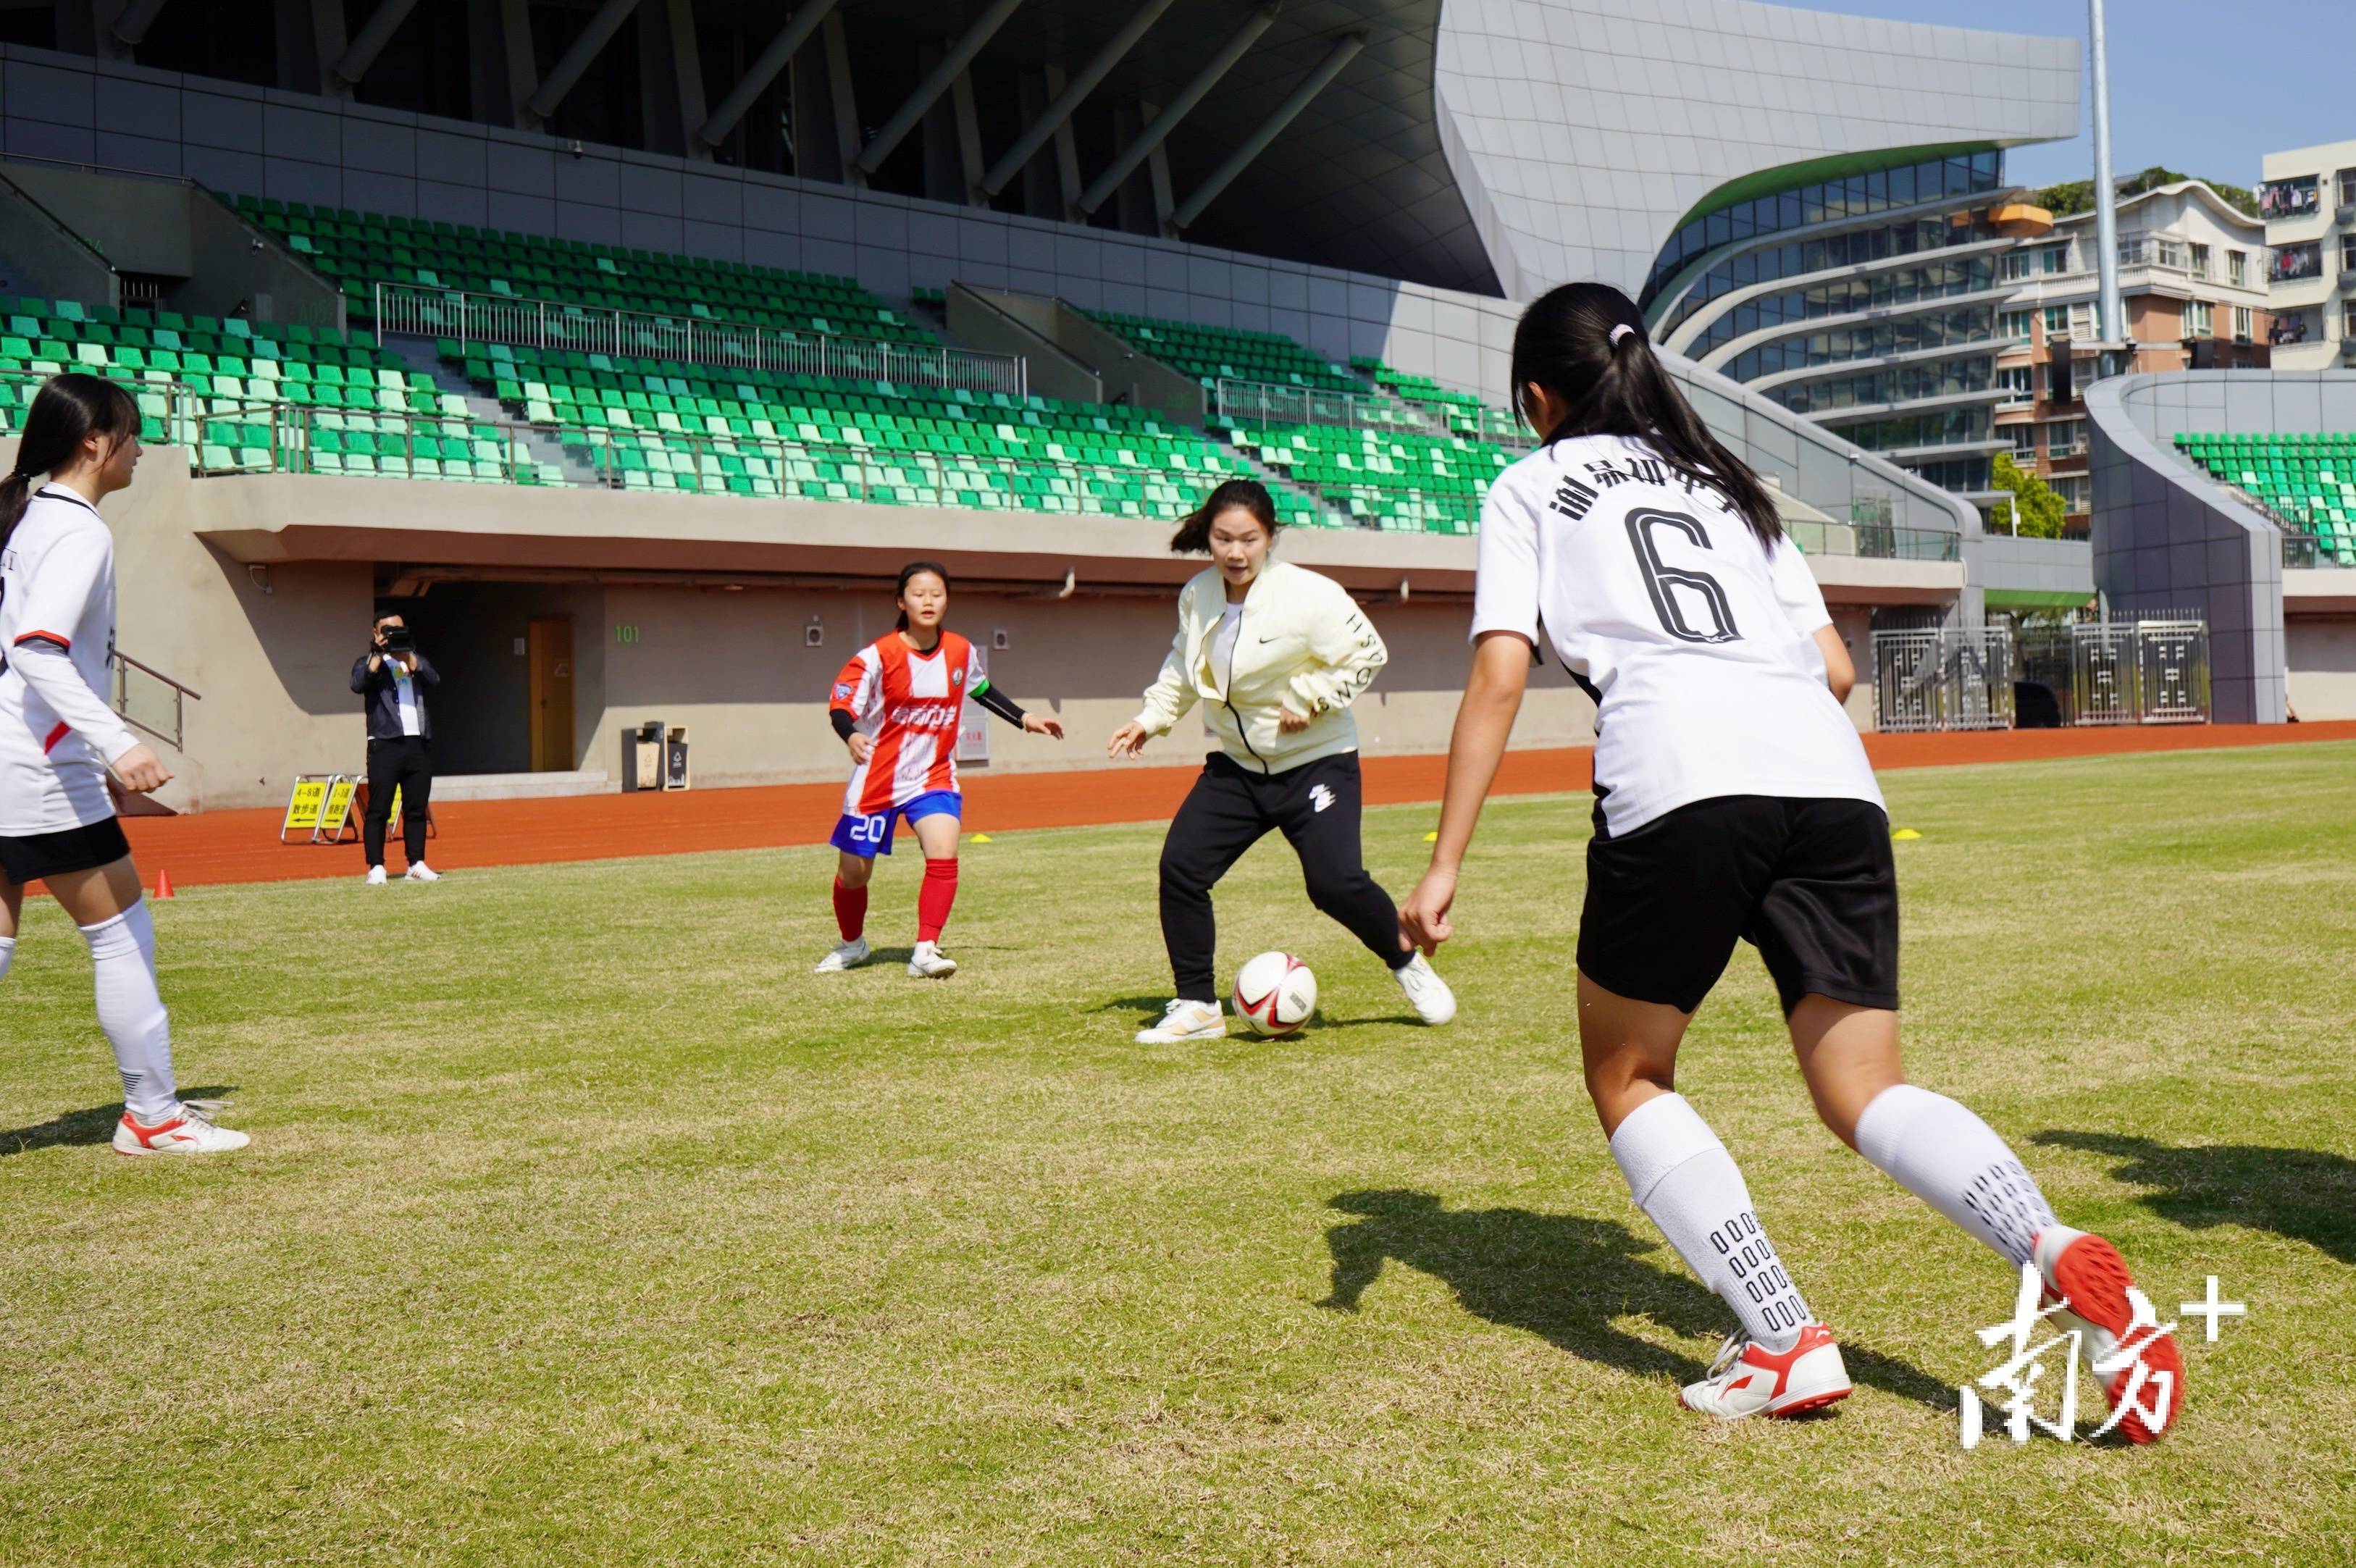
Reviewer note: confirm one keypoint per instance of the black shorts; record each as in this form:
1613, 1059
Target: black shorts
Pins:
36, 855
1809, 883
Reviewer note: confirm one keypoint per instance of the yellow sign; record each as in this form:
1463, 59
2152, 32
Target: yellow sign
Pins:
337, 810
303, 807
392, 821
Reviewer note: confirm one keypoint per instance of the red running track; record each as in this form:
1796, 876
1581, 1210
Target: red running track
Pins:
242, 846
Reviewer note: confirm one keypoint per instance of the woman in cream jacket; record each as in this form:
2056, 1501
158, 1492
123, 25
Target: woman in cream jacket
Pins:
1277, 654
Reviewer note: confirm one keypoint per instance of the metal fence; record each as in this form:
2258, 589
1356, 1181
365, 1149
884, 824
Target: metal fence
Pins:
152, 700
1945, 678
690, 339
1269, 402
1875, 541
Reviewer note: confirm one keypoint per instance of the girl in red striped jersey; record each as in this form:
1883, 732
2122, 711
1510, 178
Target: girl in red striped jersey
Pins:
896, 706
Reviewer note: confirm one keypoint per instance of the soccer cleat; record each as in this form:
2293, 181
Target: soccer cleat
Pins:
1748, 1379
1434, 1002
375, 877
2088, 1272
1184, 1020
928, 963
846, 955
421, 872
186, 1131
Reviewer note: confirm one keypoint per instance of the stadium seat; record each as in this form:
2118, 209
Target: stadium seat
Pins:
2306, 481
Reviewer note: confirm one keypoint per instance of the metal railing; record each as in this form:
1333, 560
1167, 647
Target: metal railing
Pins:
2149, 671
151, 700
1874, 542
1267, 402
424, 312
2305, 551
1944, 678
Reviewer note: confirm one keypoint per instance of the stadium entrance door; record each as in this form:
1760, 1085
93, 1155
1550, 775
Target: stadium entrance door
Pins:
552, 694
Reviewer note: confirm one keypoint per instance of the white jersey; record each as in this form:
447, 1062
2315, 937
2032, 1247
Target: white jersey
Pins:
1695, 642
57, 732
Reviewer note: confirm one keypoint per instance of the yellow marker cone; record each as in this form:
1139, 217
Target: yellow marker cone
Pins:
979, 838
1903, 834
1431, 838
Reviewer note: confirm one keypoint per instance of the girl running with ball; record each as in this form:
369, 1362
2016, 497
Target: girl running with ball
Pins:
1734, 799
1275, 654
896, 706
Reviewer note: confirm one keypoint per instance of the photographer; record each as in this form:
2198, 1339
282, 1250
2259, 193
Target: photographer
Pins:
392, 677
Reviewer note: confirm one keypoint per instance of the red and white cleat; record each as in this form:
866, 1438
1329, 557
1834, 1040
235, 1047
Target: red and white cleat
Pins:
2089, 1272
187, 1130
1748, 1379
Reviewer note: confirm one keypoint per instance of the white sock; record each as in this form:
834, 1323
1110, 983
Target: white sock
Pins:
1688, 1184
1940, 1152
132, 1012
8, 955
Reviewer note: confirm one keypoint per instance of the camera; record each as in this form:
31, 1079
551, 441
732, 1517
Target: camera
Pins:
400, 640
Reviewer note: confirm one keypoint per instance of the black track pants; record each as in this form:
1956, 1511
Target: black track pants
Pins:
406, 763
1230, 810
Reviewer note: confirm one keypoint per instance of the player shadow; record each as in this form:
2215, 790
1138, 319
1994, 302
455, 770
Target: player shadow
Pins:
1562, 1277
85, 1128
2303, 1194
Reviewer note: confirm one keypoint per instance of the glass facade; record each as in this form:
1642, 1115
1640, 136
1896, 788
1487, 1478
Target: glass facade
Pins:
1899, 383
1827, 201
1952, 329
1947, 427
1853, 249
1957, 473
1845, 296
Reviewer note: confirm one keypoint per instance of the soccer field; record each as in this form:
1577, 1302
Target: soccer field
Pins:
583, 1223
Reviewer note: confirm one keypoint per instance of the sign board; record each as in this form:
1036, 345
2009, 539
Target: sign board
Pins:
303, 807
336, 814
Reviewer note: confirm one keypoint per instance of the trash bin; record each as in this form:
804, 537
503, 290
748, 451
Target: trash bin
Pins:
675, 758
642, 756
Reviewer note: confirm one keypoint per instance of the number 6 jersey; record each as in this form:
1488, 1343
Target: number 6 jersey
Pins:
1694, 639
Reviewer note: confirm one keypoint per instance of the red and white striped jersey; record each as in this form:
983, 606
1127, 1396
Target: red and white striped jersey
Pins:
910, 703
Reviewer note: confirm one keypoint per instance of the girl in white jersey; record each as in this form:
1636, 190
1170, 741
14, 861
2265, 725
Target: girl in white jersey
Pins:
59, 740
1734, 799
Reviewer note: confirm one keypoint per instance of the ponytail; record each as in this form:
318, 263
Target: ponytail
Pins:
1193, 535
68, 409
1585, 342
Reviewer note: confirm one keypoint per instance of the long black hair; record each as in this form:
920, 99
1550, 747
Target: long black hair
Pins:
1193, 535
67, 410
1585, 342
917, 569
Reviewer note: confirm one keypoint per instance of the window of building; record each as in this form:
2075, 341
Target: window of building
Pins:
2200, 256
2057, 321
2024, 443
2348, 319
2014, 324
2054, 259
2237, 268
2199, 318
2293, 263
2347, 186
2242, 329
2016, 266
2015, 382
2065, 437
2290, 326
2082, 320
2077, 490
2295, 198
2348, 253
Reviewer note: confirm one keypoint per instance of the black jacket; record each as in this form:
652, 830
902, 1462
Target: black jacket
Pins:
383, 696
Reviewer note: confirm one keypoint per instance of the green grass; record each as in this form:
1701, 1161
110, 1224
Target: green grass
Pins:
582, 1222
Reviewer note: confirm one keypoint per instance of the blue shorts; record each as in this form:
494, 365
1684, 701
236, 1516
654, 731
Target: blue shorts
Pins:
871, 836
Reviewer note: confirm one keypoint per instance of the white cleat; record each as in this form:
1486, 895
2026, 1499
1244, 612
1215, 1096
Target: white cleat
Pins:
1184, 1020
375, 877
928, 963
187, 1130
1434, 1002
1748, 1379
421, 872
846, 955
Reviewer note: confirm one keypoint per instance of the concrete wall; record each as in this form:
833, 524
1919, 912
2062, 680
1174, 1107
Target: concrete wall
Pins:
2321, 651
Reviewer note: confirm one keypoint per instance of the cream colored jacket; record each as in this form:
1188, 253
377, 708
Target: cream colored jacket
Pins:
1303, 641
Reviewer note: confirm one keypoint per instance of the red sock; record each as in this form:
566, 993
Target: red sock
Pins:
934, 898
849, 909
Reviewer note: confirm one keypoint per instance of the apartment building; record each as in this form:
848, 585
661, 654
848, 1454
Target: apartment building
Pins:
2308, 201
2194, 279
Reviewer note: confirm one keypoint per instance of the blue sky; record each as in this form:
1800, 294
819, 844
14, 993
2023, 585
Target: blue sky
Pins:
2196, 86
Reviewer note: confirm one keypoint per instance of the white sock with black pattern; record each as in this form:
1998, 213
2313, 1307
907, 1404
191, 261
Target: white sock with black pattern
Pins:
1688, 1184
1944, 1155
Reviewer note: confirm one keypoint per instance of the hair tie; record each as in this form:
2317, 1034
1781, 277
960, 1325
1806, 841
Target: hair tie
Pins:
1619, 332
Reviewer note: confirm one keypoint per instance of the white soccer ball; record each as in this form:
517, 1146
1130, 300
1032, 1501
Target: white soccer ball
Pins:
1275, 993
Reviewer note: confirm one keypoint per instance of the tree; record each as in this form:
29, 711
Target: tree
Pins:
2040, 508
2078, 194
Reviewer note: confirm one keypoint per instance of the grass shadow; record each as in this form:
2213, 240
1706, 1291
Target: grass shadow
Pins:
85, 1128
1562, 1277
2303, 1193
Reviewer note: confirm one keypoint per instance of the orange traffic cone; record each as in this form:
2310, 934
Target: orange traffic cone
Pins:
163, 885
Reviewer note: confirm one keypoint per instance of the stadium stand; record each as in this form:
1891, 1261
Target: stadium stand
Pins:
2308, 481
1464, 414
1212, 353
1379, 478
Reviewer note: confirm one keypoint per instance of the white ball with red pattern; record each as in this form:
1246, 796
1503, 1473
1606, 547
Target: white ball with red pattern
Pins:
1275, 993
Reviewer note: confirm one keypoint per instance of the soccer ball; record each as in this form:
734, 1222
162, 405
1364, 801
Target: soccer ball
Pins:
1275, 993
